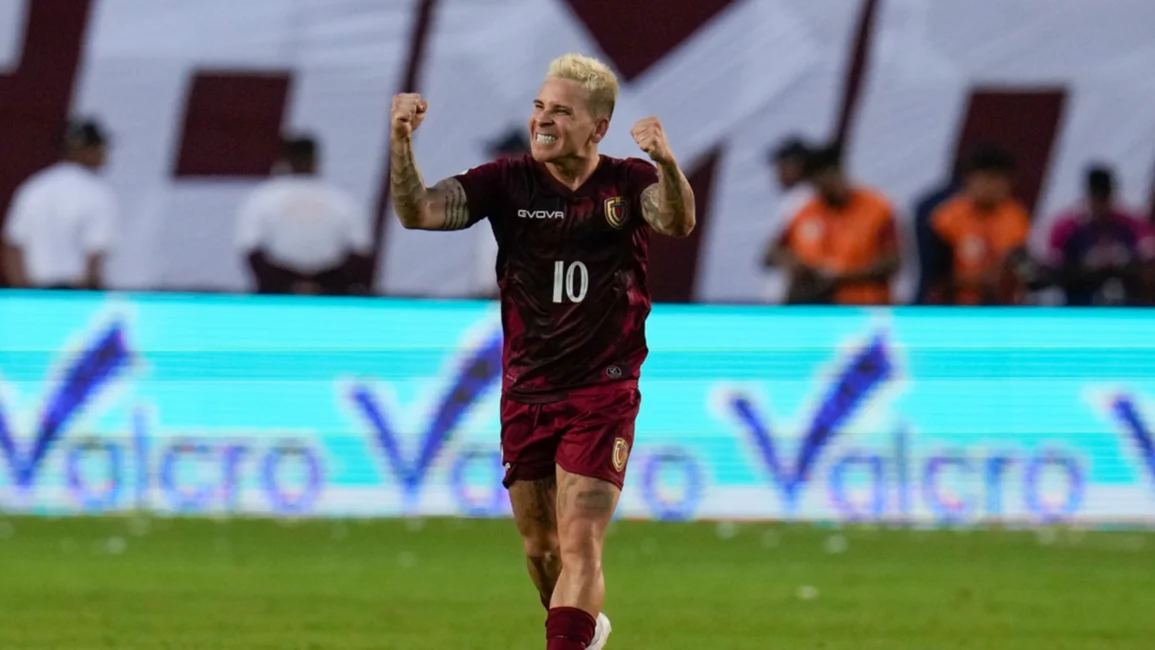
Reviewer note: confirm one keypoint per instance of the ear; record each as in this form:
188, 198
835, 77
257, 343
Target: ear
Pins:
601, 127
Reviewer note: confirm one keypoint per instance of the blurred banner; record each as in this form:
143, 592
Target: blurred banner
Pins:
311, 407
195, 94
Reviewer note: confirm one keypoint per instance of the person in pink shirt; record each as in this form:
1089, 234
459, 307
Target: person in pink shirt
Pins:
1099, 253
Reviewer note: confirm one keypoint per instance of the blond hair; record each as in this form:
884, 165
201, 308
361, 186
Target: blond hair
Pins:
594, 76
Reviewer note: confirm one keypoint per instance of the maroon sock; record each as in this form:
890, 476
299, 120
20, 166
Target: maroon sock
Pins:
568, 628
545, 601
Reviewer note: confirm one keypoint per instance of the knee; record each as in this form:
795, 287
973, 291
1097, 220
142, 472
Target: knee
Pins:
541, 544
581, 546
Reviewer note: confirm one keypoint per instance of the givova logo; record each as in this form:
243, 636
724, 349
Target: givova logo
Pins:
900, 479
113, 471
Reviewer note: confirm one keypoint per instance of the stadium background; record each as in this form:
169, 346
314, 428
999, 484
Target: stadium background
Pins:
899, 438
196, 94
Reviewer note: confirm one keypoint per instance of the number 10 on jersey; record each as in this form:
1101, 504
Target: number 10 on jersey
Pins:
570, 282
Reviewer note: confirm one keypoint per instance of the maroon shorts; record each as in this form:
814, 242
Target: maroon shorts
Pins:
590, 433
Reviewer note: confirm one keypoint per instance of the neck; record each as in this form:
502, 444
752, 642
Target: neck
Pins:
573, 172
82, 163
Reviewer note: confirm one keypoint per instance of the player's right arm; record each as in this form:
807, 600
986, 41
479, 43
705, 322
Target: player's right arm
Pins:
444, 206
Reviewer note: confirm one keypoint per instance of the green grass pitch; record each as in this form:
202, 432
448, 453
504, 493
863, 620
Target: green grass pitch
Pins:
134, 583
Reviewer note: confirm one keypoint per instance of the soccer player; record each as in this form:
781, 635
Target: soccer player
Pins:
572, 229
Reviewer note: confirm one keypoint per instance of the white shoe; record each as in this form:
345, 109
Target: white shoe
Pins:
601, 633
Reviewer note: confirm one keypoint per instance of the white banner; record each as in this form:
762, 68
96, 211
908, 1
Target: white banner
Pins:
752, 73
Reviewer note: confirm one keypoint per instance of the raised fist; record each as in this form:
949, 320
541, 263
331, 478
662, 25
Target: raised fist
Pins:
407, 113
651, 139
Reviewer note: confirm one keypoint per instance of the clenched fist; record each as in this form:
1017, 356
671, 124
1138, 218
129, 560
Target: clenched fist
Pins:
651, 139
407, 114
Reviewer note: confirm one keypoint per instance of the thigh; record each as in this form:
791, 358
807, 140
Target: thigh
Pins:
597, 439
528, 445
535, 509
585, 507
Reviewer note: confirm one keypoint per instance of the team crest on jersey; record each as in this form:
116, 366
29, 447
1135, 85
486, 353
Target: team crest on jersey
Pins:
621, 453
616, 211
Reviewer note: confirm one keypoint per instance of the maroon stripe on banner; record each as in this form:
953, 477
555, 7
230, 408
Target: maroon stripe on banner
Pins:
674, 261
35, 98
418, 41
637, 34
856, 71
232, 124
1025, 122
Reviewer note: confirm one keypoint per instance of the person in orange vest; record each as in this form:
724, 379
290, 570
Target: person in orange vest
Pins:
842, 246
985, 229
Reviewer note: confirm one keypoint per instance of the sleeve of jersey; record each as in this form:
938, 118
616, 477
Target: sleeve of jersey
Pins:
1022, 227
483, 185
641, 175
16, 226
888, 233
101, 228
1057, 242
942, 224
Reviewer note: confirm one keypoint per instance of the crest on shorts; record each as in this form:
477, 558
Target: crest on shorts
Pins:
616, 211
621, 453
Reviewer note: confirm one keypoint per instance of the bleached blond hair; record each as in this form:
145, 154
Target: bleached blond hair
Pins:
599, 82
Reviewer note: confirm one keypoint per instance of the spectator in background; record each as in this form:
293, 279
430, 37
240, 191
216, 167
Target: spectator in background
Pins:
301, 234
484, 281
63, 218
789, 162
933, 257
1097, 251
985, 231
842, 246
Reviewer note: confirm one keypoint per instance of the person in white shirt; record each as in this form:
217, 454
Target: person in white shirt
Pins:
303, 235
62, 220
789, 161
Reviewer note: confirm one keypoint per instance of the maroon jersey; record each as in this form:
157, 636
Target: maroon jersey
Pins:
571, 267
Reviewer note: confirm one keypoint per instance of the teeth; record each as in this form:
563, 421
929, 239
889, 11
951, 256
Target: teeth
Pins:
545, 139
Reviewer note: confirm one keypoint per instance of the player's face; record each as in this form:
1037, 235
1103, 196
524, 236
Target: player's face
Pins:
561, 125
831, 185
94, 156
789, 172
988, 189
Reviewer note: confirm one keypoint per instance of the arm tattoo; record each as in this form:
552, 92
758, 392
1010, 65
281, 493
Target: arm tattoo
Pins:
405, 184
413, 201
652, 207
598, 500
456, 204
668, 204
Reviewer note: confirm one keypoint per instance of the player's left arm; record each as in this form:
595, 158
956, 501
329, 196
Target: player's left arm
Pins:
668, 205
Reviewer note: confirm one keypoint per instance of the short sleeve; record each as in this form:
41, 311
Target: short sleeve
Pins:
887, 231
19, 217
483, 187
100, 227
1019, 226
250, 228
1057, 239
789, 234
1144, 239
360, 226
943, 223
639, 175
